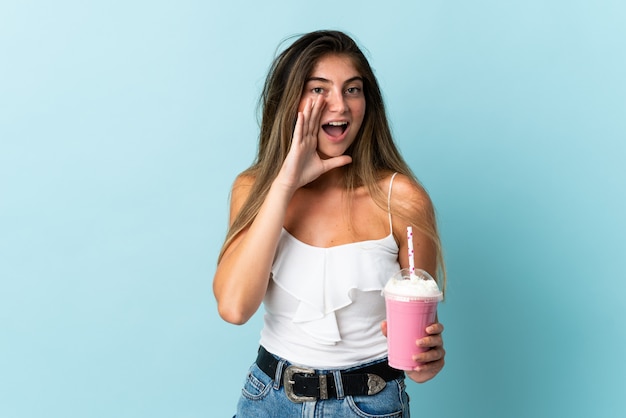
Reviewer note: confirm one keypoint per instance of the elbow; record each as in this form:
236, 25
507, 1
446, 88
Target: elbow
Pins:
232, 316
232, 306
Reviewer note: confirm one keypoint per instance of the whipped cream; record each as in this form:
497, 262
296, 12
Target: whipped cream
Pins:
419, 285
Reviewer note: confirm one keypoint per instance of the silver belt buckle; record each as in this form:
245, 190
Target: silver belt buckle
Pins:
288, 383
375, 384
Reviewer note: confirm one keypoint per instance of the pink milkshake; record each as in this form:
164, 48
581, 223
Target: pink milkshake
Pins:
411, 303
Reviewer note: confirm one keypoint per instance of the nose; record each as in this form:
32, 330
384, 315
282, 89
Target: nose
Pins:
336, 102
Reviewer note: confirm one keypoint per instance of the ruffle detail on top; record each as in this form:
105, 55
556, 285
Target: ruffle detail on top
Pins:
364, 266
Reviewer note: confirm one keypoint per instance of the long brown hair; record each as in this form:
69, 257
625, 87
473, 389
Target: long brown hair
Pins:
374, 154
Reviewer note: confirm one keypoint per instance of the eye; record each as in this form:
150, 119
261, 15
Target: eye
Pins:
317, 90
353, 90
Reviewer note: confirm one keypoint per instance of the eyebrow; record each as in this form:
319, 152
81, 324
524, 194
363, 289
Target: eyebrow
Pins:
324, 80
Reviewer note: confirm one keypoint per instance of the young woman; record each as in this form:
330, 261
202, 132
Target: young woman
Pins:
317, 226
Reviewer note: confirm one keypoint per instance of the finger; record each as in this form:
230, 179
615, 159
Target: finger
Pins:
383, 328
426, 371
435, 328
297, 131
306, 117
429, 356
335, 162
430, 341
316, 116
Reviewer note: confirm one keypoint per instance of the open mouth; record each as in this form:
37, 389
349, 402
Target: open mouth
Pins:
335, 128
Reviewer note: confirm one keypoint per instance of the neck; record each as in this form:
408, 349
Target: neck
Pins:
331, 179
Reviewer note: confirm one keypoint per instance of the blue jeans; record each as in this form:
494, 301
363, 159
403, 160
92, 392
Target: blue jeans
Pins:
264, 396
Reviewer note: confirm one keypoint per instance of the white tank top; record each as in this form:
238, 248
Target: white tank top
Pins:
323, 306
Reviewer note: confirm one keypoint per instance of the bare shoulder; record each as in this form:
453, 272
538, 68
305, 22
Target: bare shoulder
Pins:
243, 181
240, 191
409, 198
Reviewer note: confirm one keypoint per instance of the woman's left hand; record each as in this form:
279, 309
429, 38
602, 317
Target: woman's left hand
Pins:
433, 359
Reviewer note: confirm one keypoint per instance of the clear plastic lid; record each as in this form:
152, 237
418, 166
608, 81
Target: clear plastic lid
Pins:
410, 287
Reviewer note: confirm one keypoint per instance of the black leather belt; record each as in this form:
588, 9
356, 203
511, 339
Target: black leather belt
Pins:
303, 384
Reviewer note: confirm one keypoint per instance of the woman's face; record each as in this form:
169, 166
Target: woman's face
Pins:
335, 80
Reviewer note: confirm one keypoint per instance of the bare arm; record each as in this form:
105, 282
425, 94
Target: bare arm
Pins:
243, 273
413, 202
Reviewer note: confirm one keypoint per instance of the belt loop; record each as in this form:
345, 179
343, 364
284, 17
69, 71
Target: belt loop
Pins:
338, 384
279, 372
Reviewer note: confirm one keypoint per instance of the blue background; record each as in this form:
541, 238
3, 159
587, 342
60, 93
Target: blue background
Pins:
123, 123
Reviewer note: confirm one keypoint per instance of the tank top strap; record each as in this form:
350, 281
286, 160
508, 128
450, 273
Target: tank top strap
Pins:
389, 202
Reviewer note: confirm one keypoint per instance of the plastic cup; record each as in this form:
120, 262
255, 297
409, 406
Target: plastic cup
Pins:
411, 306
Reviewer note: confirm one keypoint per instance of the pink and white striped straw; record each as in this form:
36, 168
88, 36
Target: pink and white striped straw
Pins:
409, 237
